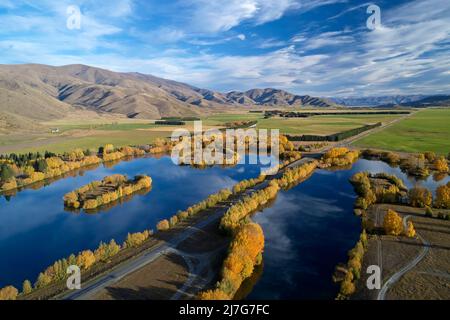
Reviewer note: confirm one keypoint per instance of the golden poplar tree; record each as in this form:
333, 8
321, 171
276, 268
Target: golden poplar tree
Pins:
26, 288
392, 223
8, 293
410, 231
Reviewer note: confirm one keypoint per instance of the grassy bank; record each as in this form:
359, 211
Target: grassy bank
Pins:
426, 130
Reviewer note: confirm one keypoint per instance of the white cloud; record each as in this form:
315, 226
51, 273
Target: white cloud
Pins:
408, 55
212, 16
326, 39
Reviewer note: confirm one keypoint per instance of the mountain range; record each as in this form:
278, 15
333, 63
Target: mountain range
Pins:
41, 92
394, 101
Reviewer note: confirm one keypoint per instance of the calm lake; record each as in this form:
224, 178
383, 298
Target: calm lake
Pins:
308, 230
36, 230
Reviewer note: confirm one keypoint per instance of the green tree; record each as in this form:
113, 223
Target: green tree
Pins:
40, 165
6, 172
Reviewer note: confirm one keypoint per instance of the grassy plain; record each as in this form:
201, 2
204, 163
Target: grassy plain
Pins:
426, 130
320, 125
92, 133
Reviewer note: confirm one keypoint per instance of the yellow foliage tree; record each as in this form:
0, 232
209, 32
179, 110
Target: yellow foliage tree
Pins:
26, 287
393, 224
441, 165
85, 259
443, 196
8, 293
163, 225
42, 280
410, 231
420, 197
215, 294
347, 287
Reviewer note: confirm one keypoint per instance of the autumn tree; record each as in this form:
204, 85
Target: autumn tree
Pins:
163, 225
26, 287
106, 251
8, 293
137, 238
108, 148
347, 287
42, 280
443, 196
215, 294
85, 259
410, 231
420, 197
393, 224
441, 165
430, 156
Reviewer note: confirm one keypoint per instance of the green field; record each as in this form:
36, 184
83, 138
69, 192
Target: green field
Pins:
320, 125
92, 134
107, 127
427, 130
62, 144
221, 119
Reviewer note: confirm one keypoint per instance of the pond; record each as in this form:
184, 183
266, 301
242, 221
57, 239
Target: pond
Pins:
36, 230
309, 229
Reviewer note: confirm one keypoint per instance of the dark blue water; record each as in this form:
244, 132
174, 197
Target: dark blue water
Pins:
35, 230
309, 229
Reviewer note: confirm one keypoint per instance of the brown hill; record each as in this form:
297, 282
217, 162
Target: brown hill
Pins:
41, 92
275, 97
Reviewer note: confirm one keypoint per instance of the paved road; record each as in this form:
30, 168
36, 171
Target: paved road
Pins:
97, 284
396, 276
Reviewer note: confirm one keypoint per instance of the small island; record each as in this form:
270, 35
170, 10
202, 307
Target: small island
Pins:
111, 188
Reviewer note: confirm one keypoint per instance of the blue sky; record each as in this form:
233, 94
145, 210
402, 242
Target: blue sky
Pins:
316, 47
